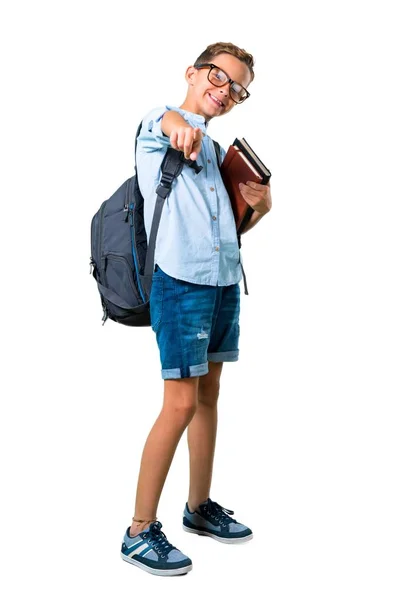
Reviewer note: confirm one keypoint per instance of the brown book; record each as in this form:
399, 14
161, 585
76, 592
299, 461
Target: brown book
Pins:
240, 165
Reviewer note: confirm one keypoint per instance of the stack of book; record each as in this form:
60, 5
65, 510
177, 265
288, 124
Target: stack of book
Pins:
240, 165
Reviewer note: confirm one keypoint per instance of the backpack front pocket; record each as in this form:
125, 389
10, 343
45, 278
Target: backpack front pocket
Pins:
119, 279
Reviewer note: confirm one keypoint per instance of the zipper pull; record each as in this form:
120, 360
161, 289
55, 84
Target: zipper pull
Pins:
129, 214
105, 315
91, 265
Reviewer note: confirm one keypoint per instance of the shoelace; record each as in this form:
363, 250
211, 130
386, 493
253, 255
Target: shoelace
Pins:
158, 539
219, 513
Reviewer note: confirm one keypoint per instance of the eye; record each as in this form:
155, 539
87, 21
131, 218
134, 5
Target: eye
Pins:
218, 76
237, 88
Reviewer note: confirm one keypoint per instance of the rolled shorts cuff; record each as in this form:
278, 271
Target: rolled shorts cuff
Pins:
231, 356
192, 371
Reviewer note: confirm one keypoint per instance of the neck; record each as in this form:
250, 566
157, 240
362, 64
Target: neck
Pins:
191, 106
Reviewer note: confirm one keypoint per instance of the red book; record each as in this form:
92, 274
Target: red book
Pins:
240, 165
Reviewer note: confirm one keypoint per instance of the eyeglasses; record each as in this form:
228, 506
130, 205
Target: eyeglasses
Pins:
219, 78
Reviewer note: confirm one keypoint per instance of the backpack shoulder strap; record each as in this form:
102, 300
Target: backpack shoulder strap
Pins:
137, 135
218, 152
171, 168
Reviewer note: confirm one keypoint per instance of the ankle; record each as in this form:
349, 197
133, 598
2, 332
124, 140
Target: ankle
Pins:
136, 529
139, 525
194, 506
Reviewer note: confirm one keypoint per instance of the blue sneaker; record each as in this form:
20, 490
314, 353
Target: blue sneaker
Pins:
151, 551
213, 520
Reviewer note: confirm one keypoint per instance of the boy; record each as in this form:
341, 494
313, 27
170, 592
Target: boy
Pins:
194, 303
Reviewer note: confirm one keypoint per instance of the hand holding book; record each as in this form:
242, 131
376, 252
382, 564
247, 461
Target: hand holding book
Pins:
242, 166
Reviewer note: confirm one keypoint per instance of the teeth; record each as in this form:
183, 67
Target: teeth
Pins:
216, 99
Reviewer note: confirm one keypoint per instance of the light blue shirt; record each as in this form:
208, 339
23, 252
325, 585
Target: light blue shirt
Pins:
196, 239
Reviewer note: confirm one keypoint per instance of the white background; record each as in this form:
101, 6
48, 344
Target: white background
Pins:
308, 446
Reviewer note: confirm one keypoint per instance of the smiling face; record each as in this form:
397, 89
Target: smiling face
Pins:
208, 100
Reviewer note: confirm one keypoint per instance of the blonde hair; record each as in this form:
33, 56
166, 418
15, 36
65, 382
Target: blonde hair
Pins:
226, 47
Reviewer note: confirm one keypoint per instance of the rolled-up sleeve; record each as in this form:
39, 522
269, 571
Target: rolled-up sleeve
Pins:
151, 137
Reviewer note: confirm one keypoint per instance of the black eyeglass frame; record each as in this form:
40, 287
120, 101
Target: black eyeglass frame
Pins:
231, 81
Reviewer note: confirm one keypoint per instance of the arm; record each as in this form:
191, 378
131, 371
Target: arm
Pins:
181, 135
172, 120
255, 217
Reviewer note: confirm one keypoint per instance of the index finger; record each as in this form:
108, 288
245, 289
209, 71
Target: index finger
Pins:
195, 132
188, 143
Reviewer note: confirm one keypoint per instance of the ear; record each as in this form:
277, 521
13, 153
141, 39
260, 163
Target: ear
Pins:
190, 75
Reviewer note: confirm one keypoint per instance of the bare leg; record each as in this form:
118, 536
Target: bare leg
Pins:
202, 433
180, 402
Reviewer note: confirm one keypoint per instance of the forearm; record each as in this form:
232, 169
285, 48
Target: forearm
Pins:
172, 120
255, 217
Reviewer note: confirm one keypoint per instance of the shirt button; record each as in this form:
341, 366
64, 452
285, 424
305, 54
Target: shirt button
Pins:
212, 189
214, 218
208, 160
217, 248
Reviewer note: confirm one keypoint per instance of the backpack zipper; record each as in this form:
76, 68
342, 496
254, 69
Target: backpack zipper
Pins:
100, 248
131, 207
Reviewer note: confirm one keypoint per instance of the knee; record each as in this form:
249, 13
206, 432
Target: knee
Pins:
184, 409
209, 393
180, 399
181, 408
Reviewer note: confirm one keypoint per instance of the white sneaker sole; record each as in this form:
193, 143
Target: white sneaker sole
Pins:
218, 538
162, 572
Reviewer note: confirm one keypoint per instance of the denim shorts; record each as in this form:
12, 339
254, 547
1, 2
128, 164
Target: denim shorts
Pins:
193, 324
